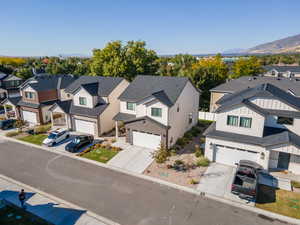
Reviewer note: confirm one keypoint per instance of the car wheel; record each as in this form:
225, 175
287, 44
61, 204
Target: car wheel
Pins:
54, 143
67, 136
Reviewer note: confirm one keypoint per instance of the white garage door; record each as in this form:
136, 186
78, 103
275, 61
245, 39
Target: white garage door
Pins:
29, 117
230, 156
146, 140
85, 126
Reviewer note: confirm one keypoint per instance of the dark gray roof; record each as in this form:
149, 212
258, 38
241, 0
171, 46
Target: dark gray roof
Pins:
35, 105
272, 136
165, 89
123, 117
12, 77
263, 90
13, 100
64, 105
282, 69
103, 86
286, 84
2, 76
149, 119
49, 82
89, 112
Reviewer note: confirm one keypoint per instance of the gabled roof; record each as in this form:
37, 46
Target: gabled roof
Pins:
123, 117
282, 69
272, 136
286, 84
89, 112
12, 77
95, 85
2, 76
13, 100
165, 89
149, 119
64, 105
49, 82
263, 90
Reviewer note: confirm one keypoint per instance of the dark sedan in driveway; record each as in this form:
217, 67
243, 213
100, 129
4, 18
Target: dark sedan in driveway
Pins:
79, 142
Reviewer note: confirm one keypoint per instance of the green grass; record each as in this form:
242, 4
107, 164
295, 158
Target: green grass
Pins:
12, 215
279, 201
295, 184
34, 139
101, 155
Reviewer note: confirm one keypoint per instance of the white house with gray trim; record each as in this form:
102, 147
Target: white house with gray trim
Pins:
282, 71
157, 109
92, 105
259, 123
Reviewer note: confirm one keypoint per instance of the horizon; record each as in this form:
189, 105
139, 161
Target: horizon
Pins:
53, 28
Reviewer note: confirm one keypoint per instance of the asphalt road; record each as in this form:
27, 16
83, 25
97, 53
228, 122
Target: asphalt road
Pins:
119, 197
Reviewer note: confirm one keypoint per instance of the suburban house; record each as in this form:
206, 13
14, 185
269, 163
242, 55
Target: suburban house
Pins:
158, 110
282, 71
92, 105
291, 85
260, 124
9, 86
39, 93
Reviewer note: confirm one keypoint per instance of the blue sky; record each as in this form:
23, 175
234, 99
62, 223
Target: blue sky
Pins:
52, 27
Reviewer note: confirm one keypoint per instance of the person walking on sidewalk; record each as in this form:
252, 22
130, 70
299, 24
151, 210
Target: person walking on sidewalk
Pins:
22, 197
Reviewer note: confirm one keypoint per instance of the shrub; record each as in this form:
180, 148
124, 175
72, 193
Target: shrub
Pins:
113, 140
20, 124
161, 155
178, 162
192, 181
198, 151
182, 141
295, 184
42, 129
195, 131
173, 152
202, 140
202, 161
12, 133
188, 135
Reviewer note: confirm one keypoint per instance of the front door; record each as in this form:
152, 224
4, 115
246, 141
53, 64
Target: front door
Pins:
283, 160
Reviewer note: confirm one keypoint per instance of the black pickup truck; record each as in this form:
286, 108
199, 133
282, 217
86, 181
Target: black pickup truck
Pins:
245, 180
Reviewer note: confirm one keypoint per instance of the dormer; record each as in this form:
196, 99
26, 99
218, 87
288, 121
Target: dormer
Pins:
84, 99
29, 94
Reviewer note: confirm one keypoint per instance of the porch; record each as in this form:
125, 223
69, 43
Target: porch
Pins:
59, 119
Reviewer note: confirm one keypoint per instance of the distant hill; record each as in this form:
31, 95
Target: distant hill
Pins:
285, 45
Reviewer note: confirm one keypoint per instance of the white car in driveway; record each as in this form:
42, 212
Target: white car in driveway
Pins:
56, 136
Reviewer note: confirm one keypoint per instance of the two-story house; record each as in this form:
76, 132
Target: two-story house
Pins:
39, 93
158, 110
9, 86
282, 71
92, 105
260, 124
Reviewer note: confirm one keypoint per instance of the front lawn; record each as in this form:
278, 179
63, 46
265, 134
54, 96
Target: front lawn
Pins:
279, 201
12, 215
34, 139
100, 154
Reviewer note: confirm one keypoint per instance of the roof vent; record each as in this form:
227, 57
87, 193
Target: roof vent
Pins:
254, 78
278, 79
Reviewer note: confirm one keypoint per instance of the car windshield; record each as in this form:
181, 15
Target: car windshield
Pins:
52, 136
76, 140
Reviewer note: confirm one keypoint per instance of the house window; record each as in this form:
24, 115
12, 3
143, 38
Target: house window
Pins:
245, 122
130, 106
82, 101
190, 118
285, 120
232, 120
29, 95
156, 112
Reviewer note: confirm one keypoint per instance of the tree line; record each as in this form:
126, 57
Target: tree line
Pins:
133, 58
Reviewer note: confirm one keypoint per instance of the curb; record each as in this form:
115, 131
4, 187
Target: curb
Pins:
272, 215
56, 199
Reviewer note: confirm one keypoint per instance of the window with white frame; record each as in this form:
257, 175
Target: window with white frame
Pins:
82, 100
29, 95
245, 122
232, 120
156, 112
130, 106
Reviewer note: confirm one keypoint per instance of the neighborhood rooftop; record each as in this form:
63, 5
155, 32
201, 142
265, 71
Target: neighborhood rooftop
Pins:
282, 69
287, 84
165, 89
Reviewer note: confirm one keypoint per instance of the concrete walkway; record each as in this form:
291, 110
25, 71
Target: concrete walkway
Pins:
217, 181
53, 210
132, 158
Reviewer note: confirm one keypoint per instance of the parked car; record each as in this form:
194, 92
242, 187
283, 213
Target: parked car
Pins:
6, 124
78, 142
56, 136
245, 180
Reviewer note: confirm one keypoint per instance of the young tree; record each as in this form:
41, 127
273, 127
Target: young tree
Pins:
246, 67
161, 155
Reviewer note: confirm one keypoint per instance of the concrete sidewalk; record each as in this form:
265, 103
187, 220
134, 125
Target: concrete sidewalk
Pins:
51, 209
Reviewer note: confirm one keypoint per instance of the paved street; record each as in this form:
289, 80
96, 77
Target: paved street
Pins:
119, 197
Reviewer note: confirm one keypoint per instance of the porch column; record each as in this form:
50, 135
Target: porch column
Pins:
117, 130
51, 119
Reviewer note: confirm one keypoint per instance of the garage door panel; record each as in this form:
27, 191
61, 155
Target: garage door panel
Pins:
83, 126
146, 140
30, 117
230, 156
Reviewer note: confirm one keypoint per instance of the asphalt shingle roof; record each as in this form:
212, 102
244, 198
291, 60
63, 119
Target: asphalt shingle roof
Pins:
89, 112
165, 89
286, 84
282, 69
64, 105
102, 86
13, 100
123, 117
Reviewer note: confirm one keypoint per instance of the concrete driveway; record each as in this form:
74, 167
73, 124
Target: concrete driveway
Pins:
217, 181
132, 158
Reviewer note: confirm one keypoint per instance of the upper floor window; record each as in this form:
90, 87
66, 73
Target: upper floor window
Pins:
82, 101
285, 120
130, 106
156, 112
232, 120
29, 95
245, 122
